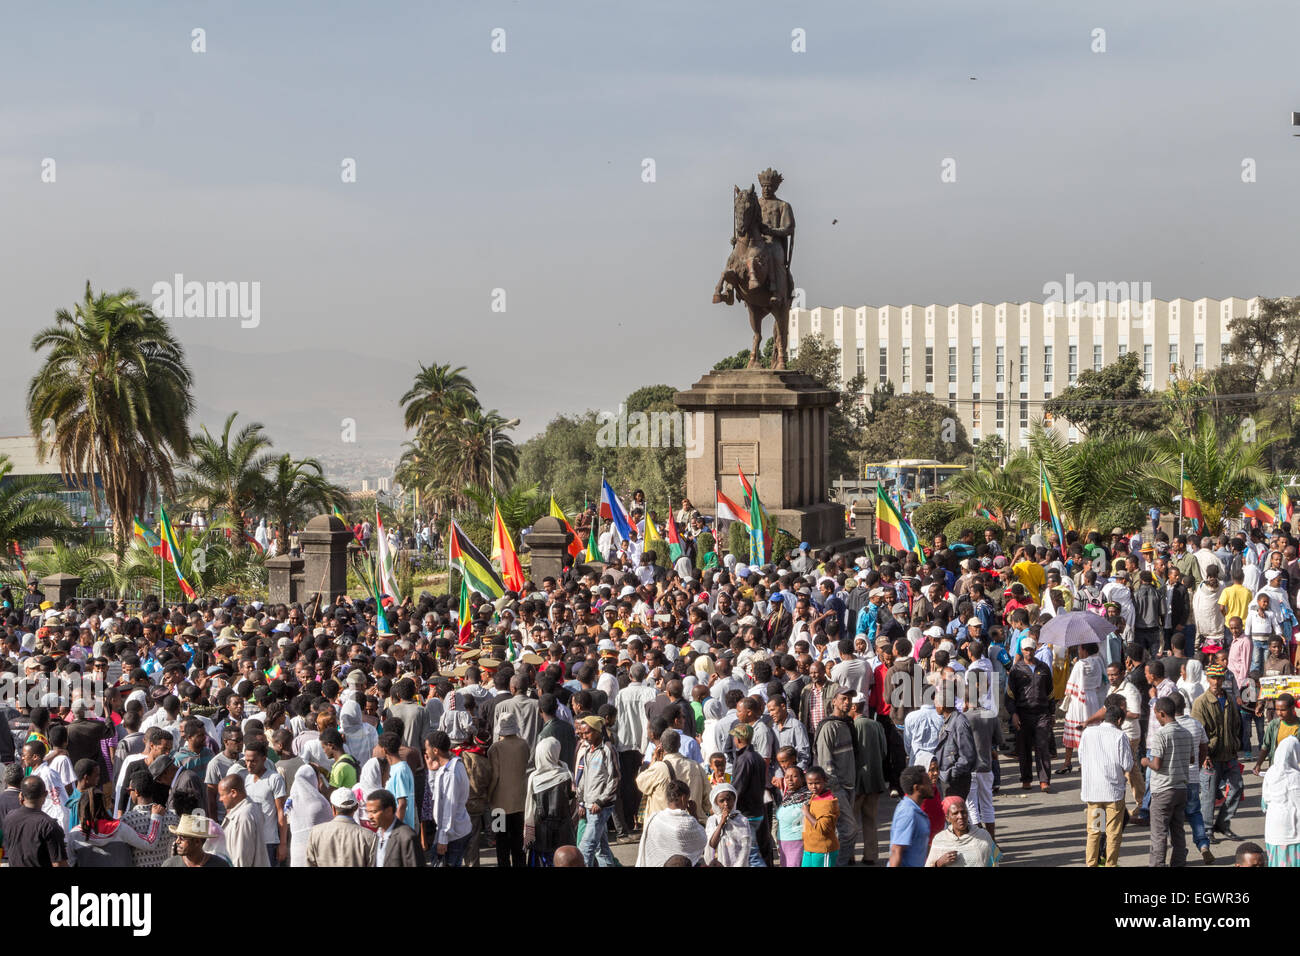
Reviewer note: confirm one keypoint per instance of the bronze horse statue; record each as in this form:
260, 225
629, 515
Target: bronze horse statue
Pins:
756, 272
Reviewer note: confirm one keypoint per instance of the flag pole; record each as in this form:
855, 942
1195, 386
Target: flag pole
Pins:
1182, 488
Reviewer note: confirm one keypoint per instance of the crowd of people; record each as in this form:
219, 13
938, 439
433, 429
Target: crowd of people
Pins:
710, 711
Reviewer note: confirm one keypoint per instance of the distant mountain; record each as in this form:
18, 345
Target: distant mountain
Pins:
304, 397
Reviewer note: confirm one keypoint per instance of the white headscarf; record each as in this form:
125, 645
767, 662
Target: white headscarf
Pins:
549, 771
733, 848
1193, 685
372, 779
1282, 795
305, 808
359, 738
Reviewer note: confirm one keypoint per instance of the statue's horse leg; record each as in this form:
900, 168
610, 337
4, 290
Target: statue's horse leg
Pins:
781, 314
756, 314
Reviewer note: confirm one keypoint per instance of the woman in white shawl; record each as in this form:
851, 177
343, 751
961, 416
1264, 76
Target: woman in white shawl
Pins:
727, 831
548, 802
1281, 799
359, 738
673, 831
305, 808
1191, 683
1083, 696
372, 776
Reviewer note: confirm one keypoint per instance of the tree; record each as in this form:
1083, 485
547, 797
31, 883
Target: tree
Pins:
1264, 354
990, 453
29, 508
1110, 400
112, 397
296, 491
227, 475
439, 396
914, 426
1225, 466
1088, 478
470, 451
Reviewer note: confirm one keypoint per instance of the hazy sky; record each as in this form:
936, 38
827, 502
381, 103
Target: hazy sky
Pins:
522, 171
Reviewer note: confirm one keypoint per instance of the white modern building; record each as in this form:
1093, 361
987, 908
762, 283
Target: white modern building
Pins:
995, 365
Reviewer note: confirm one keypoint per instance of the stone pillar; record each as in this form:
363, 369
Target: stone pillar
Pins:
864, 520
284, 572
325, 558
60, 587
547, 543
774, 426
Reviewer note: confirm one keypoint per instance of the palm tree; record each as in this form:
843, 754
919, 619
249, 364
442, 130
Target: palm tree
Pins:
1225, 466
113, 397
520, 505
227, 475
439, 396
464, 453
297, 490
29, 508
1089, 478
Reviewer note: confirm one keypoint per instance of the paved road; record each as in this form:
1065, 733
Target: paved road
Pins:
1047, 829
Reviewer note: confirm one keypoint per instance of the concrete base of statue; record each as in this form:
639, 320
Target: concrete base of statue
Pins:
774, 426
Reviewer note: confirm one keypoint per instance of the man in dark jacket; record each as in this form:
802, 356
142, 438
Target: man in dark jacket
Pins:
561, 730
749, 777
835, 751
1222, 723
873, 777
1030, 705
956, 748
396, 844
1149, 613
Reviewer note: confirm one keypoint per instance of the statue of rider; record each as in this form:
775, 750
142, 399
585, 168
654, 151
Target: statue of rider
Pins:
778, 225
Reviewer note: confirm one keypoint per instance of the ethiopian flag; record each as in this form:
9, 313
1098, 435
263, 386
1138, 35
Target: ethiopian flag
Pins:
1047, 508
891, 527
503, 549
1265, 512
338, 514
1284, 505
473, 565
675, 549
575, 543
593, 550
651, 540
174, 551
152, 540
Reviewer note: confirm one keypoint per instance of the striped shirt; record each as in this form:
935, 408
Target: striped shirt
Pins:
1173, 745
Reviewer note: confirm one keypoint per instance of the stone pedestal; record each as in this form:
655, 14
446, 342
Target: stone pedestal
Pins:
325, 558
285, 579
775, 426
864, 520
548, 544
60, 587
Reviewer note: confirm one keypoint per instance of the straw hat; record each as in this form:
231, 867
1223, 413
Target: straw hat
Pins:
192, 825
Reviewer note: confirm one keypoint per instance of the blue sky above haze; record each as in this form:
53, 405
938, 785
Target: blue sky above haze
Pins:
522, 171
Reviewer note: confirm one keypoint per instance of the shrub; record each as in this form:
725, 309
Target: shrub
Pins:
958, 526
738, 540
932, 517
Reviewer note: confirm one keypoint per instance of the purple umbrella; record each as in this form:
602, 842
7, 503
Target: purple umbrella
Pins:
1076, 627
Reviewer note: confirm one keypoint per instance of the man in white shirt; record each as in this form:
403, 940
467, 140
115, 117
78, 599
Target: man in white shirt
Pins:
1131, 726
265, 788
1105, 758
852, 672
